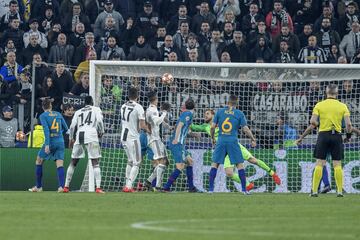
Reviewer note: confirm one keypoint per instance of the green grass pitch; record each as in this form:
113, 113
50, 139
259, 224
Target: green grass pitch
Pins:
158, 216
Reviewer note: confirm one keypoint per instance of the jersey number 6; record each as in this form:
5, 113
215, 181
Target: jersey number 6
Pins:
226, 126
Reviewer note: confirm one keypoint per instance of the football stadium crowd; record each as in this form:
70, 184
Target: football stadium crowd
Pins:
60, 37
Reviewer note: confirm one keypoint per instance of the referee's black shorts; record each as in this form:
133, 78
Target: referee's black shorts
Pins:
328, 142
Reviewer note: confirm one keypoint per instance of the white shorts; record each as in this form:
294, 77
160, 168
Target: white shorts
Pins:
133, 151
158, 149
93, 150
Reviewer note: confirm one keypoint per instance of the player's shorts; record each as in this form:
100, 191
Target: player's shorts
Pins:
329, 143
93, 150
145, 148
178, 152
57, 152
158, 148
227, 148
133, 150
245, 153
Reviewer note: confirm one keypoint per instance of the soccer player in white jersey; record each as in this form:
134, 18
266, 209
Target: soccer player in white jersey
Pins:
132, 116
85, 130
154, 140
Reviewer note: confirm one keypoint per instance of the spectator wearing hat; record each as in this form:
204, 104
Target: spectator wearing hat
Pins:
351, 15
283, 55
148, 21
167, 48
222, 6
38, 7
47, 20
327, 36
238, 49
31, 49
192, 43
85, 65
215, 47
289, 37
11, 70
73, 17
351, 41
78, 36
14, 33
203, 15
8, 127
277, 18
250, 20
82, 51
111, 48
12, 13
181, 35
61, 51
34, 29
175, 19
142, 50
108, 11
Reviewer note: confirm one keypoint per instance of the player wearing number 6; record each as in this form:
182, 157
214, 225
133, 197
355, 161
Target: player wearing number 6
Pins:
85, 130
229, 120
53, 149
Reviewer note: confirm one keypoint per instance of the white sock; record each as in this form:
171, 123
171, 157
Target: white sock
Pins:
127, 173
69, 174
159, 175
133, 174
153, 174
97, 175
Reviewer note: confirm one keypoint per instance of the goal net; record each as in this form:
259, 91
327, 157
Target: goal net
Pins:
277, 100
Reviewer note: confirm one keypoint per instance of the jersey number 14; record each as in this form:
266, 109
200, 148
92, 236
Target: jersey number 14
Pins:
87, 119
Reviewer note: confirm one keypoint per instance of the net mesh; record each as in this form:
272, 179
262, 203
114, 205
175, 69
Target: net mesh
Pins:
276, 99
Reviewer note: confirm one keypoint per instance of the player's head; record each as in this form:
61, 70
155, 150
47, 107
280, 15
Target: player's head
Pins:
46, 105
209, 115
89, 100
153, 97
233, 100
332, 90
133, 93
189, 104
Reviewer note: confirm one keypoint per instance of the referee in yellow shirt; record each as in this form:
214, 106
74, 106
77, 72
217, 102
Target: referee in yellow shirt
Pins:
329, 114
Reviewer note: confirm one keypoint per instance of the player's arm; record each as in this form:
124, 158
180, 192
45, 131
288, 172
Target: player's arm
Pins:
46, 133
177, 132
250, 135
72, 131
157, 120
348, 125
64, 125
214, 125
314, 122
100, 123
199, 127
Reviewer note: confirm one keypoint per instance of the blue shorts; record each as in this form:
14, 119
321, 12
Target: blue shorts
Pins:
227, 148
57, 152
144, 147
178, 152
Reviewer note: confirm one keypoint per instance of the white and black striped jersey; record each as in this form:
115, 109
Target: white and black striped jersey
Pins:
131, 114
86, 125
312, 55
153, 118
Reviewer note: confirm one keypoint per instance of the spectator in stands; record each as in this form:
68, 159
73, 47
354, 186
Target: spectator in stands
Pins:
14, 33
215, 47
172, 57
141, 50
277, 18
286, 134
237, 49
85, 65
261, 31
261, 50
289, 37
356, 57
283, 55
157, 41
9, 47
175, 20
31, 49
129, 35
54, 33
167, 48
181, 35
37, 137
191, 43
82, 88
13, 13
109, 30
348, 93
8, 127
41, 70
38, 7
305, 13
93, 7
108, 11
327, 36
73, 17
192, 55
204, 36
203, 15
68, 114
34, 30
62, 78
4, 95
351, 41
228, 33
111, 48
225, 57
61, 51
78, 36
351, 15
11, 69
85, 47
222, 6
250, 21
342, 60
24, 93
312, 53
334, 54
169, 9
230, 17
195, 6
127, 8
148, 21
47, 20
52, 92
327, 12
303, 37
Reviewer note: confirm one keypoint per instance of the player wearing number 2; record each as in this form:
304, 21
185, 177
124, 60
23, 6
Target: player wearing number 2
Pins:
85, 130
53, 149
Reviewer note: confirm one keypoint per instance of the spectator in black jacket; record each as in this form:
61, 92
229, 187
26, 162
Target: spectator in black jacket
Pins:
215, 47
128, 36
77, 37
62, 78
192, 43
74, 17
254, 35
82, 88
82, 51
204, 36
262, 50
13, 13
61, 51
303, 37
249, 21
350, 16
171, 9
238, 49
47, 20
334, 54
283, 55
289, 37
148, 21
327, 36
141, 50
38, 7
14, 33
176, 19
203, 15
41, 71
167, 48
31, 49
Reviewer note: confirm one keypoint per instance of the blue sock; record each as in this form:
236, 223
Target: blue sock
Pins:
243, 179
61, 178
153, 183
175, 174
213, 172
325, 177
189, 174
39, 176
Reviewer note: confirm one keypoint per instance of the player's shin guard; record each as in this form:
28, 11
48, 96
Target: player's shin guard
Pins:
159, 175
325, 177
338, 173
189, 174
153, 175
243, 179
212, 177
97, 175
39, 174
69, 174
317, 175
133, 175
61, 177
175, 174
127, 173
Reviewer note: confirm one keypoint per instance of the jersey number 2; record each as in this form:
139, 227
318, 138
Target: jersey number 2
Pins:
124, 113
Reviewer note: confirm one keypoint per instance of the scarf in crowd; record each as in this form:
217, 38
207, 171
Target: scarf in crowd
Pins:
325, 37
252, 18
350, 20
282, 17
9, 16
258, 2
11, 70
285, 57
356, 40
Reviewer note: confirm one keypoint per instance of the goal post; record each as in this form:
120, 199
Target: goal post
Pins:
277, 100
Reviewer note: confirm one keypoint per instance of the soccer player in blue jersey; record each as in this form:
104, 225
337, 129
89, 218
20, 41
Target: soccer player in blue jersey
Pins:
229, 120
53, 148
177, 148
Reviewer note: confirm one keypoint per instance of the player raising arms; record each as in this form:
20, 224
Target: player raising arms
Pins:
230, 121
154, 141
53, 148
229, 168
177, 148
132, 116
85, 130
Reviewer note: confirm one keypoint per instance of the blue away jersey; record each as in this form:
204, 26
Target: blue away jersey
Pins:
186, 118
229, 120
54, 125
